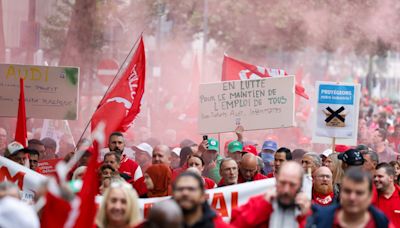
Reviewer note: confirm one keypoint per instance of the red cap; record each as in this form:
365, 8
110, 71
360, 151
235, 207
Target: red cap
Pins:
341, 148
250, 149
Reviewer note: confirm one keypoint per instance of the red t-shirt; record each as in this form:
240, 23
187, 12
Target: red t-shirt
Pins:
390, 206
270, 175
209, 183
370, 224
131, 168
256, 177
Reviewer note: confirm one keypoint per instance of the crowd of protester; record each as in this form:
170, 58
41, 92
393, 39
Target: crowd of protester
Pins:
351, 186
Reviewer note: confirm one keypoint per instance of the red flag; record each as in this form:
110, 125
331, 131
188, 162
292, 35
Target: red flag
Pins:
121, 104
233, 69
20, 132
81, 211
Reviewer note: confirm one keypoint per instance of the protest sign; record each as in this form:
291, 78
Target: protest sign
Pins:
50, 92
336, 113
254, 104
27, 180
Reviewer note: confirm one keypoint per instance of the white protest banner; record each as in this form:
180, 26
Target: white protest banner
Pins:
336, 113
224, 199
27, 180
254, 104
50, 92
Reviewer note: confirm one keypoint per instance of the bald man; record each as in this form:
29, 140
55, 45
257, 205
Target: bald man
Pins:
248, 169
287, 206
166, 213
323, 193
162, 155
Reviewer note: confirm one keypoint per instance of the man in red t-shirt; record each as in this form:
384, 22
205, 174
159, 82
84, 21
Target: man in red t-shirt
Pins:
388, 193
129, 167
248, 169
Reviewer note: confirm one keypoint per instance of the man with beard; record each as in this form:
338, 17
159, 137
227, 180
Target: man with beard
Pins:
322, 192
285, 207
189, 192
129, 167
354, 209
388, 192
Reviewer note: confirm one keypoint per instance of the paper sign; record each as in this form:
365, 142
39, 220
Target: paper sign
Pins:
254, 104
50, 92
336, 113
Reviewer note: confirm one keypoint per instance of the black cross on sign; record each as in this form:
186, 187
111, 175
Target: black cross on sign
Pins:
334, 114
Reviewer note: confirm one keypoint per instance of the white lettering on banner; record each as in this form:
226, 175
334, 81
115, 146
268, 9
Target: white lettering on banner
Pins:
27, 180
133, 79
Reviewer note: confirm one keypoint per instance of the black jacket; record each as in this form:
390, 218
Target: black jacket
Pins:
323, 217
207, 221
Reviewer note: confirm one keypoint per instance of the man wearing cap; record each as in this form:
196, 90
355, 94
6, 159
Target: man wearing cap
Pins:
235, 149
210, 153
267, 154
350, 158
16, 152
248, 169
282, 155
143, 155
175, 157
325, 155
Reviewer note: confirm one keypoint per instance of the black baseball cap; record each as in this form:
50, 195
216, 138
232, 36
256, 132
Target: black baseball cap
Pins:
352, 157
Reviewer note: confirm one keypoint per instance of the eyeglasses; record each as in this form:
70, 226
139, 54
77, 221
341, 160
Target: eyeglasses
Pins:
324, 176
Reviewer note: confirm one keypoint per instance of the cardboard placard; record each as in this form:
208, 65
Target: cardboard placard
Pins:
50, 92
255, 104
336, 113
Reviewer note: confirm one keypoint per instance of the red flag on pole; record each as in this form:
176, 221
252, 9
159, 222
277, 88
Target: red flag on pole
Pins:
20, 132
233, 69
121, 104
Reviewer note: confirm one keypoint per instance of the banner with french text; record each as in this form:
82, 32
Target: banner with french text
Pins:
254, 104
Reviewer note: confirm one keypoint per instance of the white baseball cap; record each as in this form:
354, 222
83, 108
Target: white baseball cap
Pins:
14, 147
177, 151
327, 152
146, 148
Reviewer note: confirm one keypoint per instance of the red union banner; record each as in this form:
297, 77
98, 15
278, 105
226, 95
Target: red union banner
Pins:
26, 179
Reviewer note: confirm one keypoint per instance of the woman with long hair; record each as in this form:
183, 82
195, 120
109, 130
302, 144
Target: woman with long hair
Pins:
119, 207
158, 180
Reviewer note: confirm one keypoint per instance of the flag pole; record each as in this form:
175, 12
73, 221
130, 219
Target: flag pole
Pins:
109, 87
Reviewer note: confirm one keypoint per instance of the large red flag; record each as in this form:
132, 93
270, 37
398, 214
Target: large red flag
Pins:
233, 69
121, 104
20, 132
